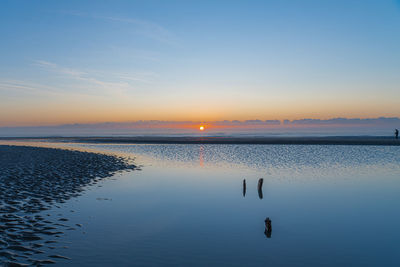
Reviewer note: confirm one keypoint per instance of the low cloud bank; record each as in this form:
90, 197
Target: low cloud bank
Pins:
334, 126
345, 121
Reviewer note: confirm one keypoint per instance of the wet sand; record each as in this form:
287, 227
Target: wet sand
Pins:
35, 179
279, 140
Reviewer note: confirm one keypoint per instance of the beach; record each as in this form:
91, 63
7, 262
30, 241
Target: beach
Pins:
199, 133
35, 179
78, 204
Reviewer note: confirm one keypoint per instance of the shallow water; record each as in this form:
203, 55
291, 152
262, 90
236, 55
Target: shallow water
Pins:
329, 205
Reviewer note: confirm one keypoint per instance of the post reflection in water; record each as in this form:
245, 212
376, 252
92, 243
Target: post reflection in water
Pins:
268, 227
244, 187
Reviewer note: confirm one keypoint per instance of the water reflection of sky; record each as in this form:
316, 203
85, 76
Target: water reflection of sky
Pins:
329, 205
267, 159
283, 161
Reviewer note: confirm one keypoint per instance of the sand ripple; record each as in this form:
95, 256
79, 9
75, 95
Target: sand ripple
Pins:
34, 179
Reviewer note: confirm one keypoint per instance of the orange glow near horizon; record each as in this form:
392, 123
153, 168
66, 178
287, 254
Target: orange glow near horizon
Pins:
85, 110
201, 128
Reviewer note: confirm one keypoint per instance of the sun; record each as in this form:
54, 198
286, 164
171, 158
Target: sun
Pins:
201, 128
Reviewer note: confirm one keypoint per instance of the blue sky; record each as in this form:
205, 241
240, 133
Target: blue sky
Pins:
94, 61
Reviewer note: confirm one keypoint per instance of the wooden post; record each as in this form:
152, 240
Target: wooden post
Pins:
259, 188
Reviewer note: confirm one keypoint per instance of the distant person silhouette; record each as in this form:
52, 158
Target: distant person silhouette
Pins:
396, 133
268, 227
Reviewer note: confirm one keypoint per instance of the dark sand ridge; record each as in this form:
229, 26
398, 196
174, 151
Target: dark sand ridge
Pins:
284, 140
34, 179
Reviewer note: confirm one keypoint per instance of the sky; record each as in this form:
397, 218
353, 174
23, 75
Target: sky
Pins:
66, 62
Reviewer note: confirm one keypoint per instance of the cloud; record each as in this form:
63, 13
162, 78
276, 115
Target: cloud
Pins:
148, 29
82, 76
335, 126
79, 82
273, 122
247, 122
345, 121
352, 126
23, 87
253, 122
62, 70
109, 82
145, 28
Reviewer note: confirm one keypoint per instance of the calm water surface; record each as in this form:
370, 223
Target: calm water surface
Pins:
329, 205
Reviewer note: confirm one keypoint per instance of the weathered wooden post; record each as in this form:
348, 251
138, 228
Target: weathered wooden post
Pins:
244, 187
259, 188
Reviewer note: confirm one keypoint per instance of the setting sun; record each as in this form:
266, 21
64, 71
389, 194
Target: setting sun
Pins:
201, 128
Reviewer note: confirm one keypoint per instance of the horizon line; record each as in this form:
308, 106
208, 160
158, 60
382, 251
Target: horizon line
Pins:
232, 123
